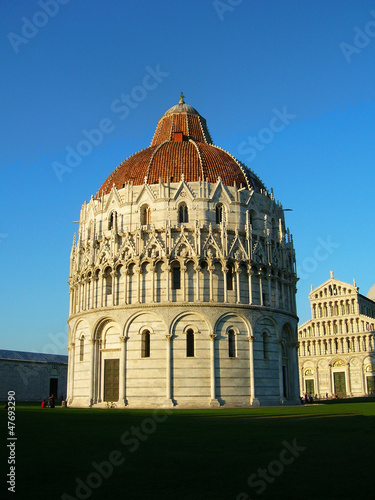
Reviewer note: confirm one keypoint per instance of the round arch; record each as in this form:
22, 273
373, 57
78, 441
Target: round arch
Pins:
227, 316
181, 316
135, 316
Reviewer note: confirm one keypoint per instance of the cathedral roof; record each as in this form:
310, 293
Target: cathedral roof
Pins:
181, 146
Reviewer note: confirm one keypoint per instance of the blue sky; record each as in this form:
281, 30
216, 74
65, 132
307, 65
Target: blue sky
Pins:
65, 65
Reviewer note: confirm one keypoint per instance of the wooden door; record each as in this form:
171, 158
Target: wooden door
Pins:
340, 384
111, 379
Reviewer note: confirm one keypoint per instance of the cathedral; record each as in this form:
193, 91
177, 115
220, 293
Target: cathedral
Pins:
337, 346
182, 281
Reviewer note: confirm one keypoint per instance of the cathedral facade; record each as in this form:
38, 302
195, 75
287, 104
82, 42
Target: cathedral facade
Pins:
337, 346
182, 281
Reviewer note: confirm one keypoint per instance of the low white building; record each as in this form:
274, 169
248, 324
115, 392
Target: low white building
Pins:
32, 376
337, 346
182, 281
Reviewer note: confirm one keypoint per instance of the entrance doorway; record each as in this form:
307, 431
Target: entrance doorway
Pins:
53, 386
111, 379
371, 384
309, 387
340, 384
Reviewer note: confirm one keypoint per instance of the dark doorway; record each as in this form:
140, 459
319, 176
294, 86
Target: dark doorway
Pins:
111, 379
53, 386
310, 387
371, 385
340, 384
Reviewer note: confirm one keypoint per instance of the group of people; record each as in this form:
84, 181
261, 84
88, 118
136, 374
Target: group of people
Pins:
49, 403
307, 399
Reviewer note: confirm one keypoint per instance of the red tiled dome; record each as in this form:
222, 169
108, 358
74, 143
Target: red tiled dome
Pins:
181, 145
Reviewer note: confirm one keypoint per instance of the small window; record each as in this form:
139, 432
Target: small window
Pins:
219, 213
145, 215
190, 344
230, 278
176, 277
145, 344
231, 344
108, 281
183, 213
112, 219
81, 348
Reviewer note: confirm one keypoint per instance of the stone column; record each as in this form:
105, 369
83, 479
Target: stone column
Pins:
168, 278
238, 293
137, 270
70, 382
363, 381
93, 296
89, 293
71, 298
214, 401
225, 272
183, 282
330, 379
277, 290
197, 270
254, 401
301, 382
101, 289
269, 278
153, 271
250, 274
122, 381
168, 373
78, 296
92, 373
210, 269
113, 275
99, 372
126, 279
281, 386
294, 375
84, 294
260, 290
349, 389
317, 389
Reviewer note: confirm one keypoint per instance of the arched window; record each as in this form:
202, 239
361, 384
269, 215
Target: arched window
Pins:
81, 348
219, 213
190, 343
112, 219
145, 352
183, 213
176, 277
230, 277
231, 344
108, 281
145, 215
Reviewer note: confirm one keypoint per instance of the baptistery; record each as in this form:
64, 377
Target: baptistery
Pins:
182, 281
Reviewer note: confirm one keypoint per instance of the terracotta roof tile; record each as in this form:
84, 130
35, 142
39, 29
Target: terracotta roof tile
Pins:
195, 157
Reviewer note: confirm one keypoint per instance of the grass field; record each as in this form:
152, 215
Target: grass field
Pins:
313, 451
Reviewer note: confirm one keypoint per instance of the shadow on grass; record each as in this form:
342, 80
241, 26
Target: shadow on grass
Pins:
194, 454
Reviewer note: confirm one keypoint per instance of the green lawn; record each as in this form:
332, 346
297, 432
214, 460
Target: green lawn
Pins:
314, 451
